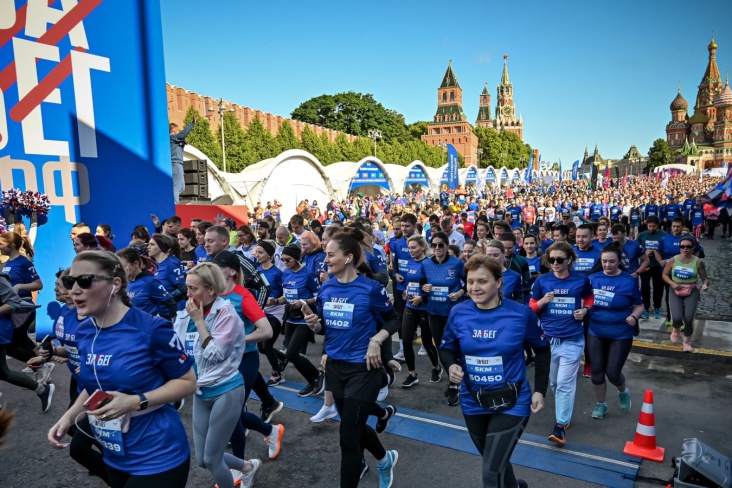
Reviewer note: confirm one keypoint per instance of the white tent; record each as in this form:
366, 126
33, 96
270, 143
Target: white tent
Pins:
367, 176
686, 168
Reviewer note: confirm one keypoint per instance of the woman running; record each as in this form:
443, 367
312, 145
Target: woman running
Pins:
350, 308
614, 317
415, 314
145, 291
164, 250
483, 347
443, 276
511, 280
137, 361
561, 299
682, 274
264, 254
211, 327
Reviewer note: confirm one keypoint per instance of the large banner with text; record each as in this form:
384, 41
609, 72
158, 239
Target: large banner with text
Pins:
83, 123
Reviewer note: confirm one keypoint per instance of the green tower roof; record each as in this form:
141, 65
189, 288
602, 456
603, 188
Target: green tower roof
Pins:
449, 80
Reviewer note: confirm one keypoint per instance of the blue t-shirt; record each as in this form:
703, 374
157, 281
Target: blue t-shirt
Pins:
376, 260
615, 297
412, 277
512, 287
314, 261
490, 344
596, 211
651, 209
274, 277
299, 286
351, 314
400, 250
615, 213
632, 252
671, 211
557, 317
545, 244
201, 255
172, 274
65, 331
148, 294
688, 205
534, 264
697, 216
586, 259
668, 246
445, 278
635, 216
137, 355
21, 272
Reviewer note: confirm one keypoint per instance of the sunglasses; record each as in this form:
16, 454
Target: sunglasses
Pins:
84, 281
556, 260
240, 236
686, 246
437, 245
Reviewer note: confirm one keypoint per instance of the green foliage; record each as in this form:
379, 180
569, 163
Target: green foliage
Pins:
659, 154
418, 129
353, 113
286, 138
260, 142
202, 138
501, 148
235, 143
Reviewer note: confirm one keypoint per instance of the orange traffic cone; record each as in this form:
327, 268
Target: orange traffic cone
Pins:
644, 444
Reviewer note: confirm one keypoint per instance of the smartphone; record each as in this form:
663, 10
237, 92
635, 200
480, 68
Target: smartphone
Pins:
47, 344
306, 309
97, 400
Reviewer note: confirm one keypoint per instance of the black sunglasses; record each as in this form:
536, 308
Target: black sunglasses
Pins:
556, 260
686, 246
437, 245
85, 281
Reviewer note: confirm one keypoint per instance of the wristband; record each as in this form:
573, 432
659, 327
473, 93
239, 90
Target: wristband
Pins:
375, 341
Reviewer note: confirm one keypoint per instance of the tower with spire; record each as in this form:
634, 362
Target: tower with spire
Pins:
450, 125
484, 118
704, 139
505, 118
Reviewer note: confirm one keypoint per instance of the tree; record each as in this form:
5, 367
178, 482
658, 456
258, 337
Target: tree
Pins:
659, 154
260, 141
502, 148
418, 129
286, 138
235, 142
353, 113
202, 138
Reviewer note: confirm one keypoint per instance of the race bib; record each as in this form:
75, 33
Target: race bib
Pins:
190, 342
338, 315
652, 245
562, 306
73, 354
484, 371
108, 433
439, 293
603, 298
290, 294
402, 264
532, 268
412, 289
584, 264
683, 273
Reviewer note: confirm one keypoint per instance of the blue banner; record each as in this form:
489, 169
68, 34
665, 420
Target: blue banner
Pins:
530, 169
83, 120
490, 175
575, 170
560, 170
516, 175
416, 176
369, 174
443, 180
504, 174
453, 180
472, 175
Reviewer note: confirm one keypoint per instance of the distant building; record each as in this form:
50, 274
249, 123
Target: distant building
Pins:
703, 140
633, 161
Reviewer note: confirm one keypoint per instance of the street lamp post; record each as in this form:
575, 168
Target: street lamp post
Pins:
375, 134
221, 111
480, 155
443, 145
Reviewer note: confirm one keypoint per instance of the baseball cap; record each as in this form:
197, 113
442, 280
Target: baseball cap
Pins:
230, 222
534, 230
227, 259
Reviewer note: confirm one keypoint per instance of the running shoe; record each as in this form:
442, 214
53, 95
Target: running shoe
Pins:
558, 434
522, 484
275, 379
453, 395
324, 414
248, 479
43, 374
687, 347
178, 404
28, 370
645, 314
624, 399
383, 393
656, 314
422, 351
382, 424
587, 371
400, 356
598, 412
47, 397
320, 384
668, 322
410, 381
675, 336
307, 391
386, 469
364, 469
237, 475
436, 375
268, 411
274, 440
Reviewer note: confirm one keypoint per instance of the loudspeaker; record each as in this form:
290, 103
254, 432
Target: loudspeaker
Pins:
195, 178
194, 190
701, 466
195, 175
194, 165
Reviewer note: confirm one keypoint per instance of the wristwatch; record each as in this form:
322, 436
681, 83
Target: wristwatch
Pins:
143, 402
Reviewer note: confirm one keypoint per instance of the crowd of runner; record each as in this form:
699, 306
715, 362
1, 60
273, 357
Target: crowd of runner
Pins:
492, 281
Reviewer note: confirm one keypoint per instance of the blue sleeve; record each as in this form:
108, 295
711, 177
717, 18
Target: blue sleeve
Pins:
518, 292
180, 136
536, 293
587, 288
534, 333
379, 300
313, 284
158, 291
635, 298
449, 337
167, 351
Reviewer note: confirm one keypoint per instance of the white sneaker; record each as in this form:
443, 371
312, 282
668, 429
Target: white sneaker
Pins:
43, 374
248, 479
383, 393
399, 356
422, 351
274, 440
237, 475
27, 370
325, 413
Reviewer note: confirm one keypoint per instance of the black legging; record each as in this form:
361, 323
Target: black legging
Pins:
608, 359
399, 304
412, 319
267, 347
11, 376
21, 347
495, 436
82, 450
652, 277
299, 335
174, 478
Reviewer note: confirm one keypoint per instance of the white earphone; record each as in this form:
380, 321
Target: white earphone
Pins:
348, 260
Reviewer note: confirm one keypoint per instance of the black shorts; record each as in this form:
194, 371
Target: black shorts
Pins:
353, 380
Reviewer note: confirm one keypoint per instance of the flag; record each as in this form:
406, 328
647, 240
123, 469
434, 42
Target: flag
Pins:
452, 167
606, 177
575, 170
560, 170
625, 178
530, 168
664, 183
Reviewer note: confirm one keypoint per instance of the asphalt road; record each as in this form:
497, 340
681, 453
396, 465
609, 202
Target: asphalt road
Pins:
692, 403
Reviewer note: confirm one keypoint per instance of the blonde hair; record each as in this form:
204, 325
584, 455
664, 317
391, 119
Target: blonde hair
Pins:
211, 276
